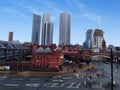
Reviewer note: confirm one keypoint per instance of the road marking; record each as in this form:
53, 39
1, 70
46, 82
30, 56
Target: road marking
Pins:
57, 80
62, 85
71, 86
67, 83
33, 84
51, 85
57, 76
77, 76
78, 85
3, 77
12, 85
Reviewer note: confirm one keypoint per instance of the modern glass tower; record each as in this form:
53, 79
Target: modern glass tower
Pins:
89, 36
64, 34
47, 30
36, 29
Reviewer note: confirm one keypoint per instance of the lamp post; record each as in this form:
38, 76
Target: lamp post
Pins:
111, 69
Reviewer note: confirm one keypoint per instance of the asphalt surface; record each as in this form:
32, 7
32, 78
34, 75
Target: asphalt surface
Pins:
73, 81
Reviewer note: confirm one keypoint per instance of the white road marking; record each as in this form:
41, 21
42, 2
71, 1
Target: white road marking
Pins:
3, 77
12, 85
71, 86
68, 83
78, 85
62, 85
33, 84
57, 80
57, 76
77, 75
55, 85
51, 85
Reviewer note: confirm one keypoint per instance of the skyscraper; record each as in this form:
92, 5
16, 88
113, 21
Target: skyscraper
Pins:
88, 42
47, 30
64, 34
36, 28
51, 26
97, 40
10, 38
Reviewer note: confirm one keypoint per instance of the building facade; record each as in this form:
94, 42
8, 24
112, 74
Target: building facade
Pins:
47, 58
103, 46
64, 34
47, 30
97, 40
36, 29
10, 38
88, 42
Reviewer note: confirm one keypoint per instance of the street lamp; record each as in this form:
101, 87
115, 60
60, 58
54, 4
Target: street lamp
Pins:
111, 56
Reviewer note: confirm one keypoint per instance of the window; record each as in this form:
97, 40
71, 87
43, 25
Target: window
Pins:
47, 59
57, 59
37, 58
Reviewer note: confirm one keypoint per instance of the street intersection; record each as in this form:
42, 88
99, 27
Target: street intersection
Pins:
97, 78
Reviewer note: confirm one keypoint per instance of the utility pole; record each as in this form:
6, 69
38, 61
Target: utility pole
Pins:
111, 69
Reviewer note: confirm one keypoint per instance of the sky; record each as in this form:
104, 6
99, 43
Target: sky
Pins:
17, 16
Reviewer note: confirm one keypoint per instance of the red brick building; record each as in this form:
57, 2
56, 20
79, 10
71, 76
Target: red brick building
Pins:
87, 55
47, 57
103, 47
76, 54
10, 38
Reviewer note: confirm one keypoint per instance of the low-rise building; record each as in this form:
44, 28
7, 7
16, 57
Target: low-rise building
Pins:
47, 58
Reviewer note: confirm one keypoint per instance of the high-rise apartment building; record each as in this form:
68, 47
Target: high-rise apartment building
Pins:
47, 30
10, 38
64, 34
36, 28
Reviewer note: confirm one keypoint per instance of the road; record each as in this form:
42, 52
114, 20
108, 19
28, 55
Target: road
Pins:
65, 82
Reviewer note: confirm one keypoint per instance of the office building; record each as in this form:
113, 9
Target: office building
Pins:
47, 30
64, 34
88, 42
36, 29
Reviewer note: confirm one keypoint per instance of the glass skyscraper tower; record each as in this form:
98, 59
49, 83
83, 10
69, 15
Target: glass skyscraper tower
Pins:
47, 30
36, 28
64, 34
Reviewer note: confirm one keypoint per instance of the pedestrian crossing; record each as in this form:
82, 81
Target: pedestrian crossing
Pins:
50, 85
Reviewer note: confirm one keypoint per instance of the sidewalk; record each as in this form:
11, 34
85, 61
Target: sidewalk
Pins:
66, 70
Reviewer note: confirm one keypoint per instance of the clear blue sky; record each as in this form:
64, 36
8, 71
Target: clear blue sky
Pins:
16, 16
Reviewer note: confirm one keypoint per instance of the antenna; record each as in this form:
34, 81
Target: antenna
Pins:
99, 22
